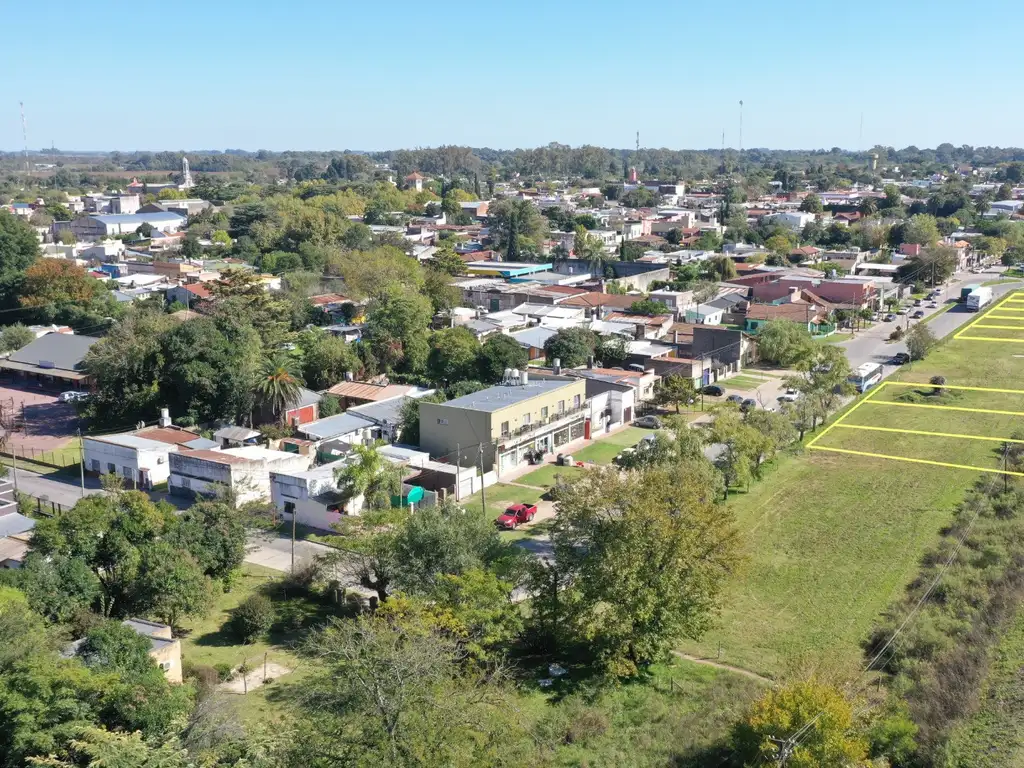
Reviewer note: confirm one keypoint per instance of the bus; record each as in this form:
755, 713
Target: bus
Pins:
866, 376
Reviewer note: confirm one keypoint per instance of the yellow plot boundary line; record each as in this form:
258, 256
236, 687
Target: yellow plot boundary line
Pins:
961, 334
1005, 317
949, 386
917, 461
948, 408
990, 338
930, 434
1001, 327
845, 416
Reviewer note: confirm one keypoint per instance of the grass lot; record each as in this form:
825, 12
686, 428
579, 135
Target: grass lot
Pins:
744, 381
605, 449
1002, 281
835, 338
544, 477
994, 736
500, 496
64, 459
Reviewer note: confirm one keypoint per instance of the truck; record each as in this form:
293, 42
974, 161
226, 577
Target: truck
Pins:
967, 290
515, 515
978, 298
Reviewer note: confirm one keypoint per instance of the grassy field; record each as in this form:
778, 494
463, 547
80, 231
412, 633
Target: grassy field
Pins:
994, 736
500, 496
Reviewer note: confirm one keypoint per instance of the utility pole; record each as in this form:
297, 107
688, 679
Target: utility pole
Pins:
483, 489
294, 515
458, 469
14, 456
81, 461
786, 749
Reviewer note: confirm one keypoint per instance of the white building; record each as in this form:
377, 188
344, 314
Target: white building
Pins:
792, 220
311, 495
103, 226
243, 471
141, 457
1004, 208
106, 251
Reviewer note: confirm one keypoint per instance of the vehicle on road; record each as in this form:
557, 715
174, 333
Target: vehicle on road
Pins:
890, 317
713, 390
918, 314
978, 298
648, 422
967, 290
866, 376
900, 358
72, 396
516, 515
748, 405
932, 305
918, 302
789, 397
734, 399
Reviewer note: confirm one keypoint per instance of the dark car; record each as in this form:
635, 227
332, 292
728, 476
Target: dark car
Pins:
900, 358
748, 405
734, 399
713, 390
918, 315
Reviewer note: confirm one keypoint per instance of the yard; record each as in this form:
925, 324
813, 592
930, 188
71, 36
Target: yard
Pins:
501, 495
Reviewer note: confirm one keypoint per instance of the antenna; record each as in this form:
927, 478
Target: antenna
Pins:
860, 136
638, 142
741, 126
186, 175
24, 133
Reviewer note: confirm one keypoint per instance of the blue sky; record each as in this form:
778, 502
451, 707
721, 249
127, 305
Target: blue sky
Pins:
312, 74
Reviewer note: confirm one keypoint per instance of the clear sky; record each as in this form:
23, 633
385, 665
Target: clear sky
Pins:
334, 74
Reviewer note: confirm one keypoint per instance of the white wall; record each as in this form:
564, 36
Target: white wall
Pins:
156, 462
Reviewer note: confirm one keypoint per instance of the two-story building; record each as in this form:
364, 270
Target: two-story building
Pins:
508, 422
245, 471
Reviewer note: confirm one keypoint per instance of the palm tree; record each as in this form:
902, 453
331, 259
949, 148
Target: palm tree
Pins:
279, 382
372, 476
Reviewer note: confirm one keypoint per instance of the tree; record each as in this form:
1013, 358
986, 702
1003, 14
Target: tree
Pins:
438, 288
516, 226
111, 645
371, 476
19, 246
933, 266
612, 350
920, 341
59, 587
823, 379
454, 355
14, 337
57, 282
190, 248
214, 533
817, 713
145, 229
171, 583
497, 353
639, 197
325, 359
397, 329
676, 390
784, 343
409, 416
252, 619
779, 244
641, 559
648, 307
811, 204
446, 260
721, 268
922, 229
278, 384
572, 346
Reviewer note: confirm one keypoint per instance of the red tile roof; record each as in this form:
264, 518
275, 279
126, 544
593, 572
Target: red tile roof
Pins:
168, 435
325, 299
598, 299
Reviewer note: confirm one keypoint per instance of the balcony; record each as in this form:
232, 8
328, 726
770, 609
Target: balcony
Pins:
550, 424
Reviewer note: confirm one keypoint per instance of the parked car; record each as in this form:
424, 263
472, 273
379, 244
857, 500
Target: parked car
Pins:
932, 305
72, 396
515, 515
900, 358
748, 405
713, 390
890, 317
648, 422
918, 314
789, 396
734, 399
902, 311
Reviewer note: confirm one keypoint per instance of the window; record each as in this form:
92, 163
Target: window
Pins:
112, 468
186, 483
526, 419
504, 429
561, 406
128, 472
95, 465
544, 412
443, 422
289, 507
576, 401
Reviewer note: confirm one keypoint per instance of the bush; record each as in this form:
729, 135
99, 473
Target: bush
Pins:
223, 671
253, 618
204, 676
897, 334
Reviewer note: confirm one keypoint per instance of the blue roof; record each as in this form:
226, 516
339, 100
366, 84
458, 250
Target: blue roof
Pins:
534, 337
21, 205
137, 218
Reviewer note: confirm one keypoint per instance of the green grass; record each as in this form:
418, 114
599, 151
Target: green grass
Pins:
64, 459
994, 736
544, 477
500, 496
743, 381
1002, 281
835, 338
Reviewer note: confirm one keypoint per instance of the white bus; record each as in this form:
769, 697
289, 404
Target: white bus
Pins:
866, 376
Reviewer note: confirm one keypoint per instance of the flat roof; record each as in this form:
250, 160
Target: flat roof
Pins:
500, 396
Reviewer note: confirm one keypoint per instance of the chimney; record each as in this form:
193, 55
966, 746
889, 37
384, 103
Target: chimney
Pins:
165, 418
675, 337
349, 376
557, 365
590, 363
640, 332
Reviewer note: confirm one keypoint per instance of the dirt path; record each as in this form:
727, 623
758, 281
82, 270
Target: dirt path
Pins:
726, 667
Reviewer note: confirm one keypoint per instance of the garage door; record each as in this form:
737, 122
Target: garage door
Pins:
506, 462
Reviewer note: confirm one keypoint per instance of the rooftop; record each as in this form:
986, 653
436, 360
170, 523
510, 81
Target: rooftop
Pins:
497, 397
54, 351
138, 218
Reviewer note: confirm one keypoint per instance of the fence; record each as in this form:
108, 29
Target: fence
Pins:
62, 458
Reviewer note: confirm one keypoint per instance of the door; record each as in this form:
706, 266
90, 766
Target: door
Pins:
627, 415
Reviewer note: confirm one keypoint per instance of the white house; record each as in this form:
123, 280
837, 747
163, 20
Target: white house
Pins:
140, 457
311, 495
792, 220
705, 314
97, 227
244, 471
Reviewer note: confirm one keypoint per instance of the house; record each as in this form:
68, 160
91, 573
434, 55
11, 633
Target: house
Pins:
352, 393
305, 409
191, 295
805, 253
140, 457
813, 316
56, 358
164, 648
245, 471
507, 422
415, 181
475, 208
348, 427
236, 437
102, 226
646, 326
910, 249
533, 340
597, 304
640, 381
794, 221
15, 528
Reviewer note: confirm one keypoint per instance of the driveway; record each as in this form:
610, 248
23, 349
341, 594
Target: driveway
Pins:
47, 424
274, 551
54, 489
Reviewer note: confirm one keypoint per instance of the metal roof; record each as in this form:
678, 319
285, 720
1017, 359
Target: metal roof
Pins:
60, 351
500, 396
14, 522
138, 218
335, 426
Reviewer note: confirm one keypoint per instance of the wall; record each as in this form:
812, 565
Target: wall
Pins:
156, 462
170, 654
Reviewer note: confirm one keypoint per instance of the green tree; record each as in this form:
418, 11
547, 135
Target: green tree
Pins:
14, 337
648, 307
676, 390
454, 355
190, 248
397, 329
516, 227
438, 288
478, 611
612, 350
784, 343
253, 618
811, 204
573, 346
779, 244
19, 246
447, 260
214, 533
171, 584
409, 416
497, 353
639, 562
721, 268
371, 476
823, 378
922, 229
818, 715
920, 341
373, 273
113, 646
58, 587
279, 383
326, 359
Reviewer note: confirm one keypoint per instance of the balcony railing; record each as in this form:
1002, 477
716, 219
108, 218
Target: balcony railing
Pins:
548, 423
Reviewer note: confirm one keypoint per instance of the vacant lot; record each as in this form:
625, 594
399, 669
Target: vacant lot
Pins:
500, 496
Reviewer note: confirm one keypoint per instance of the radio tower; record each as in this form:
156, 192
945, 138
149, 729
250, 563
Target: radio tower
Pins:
741, 126
186, 175
24, 134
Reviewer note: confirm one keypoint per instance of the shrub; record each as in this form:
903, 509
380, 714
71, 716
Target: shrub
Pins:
938, 382
223, 670
204, 676
897, 334
252, 618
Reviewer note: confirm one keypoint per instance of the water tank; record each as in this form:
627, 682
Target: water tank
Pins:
524, 377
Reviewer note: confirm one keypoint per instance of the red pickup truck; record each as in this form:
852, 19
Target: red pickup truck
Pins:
516, 514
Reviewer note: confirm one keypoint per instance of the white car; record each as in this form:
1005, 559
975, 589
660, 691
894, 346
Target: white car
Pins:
789, 397
72, 396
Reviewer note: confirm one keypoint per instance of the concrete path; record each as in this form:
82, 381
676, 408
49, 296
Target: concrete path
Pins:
274, 551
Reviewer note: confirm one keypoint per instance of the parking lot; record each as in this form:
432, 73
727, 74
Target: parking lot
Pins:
43, 423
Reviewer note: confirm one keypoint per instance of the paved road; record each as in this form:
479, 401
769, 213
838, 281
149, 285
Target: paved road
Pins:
63, 491
275, 551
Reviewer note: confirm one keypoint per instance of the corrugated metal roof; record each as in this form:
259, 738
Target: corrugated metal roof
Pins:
335, 426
